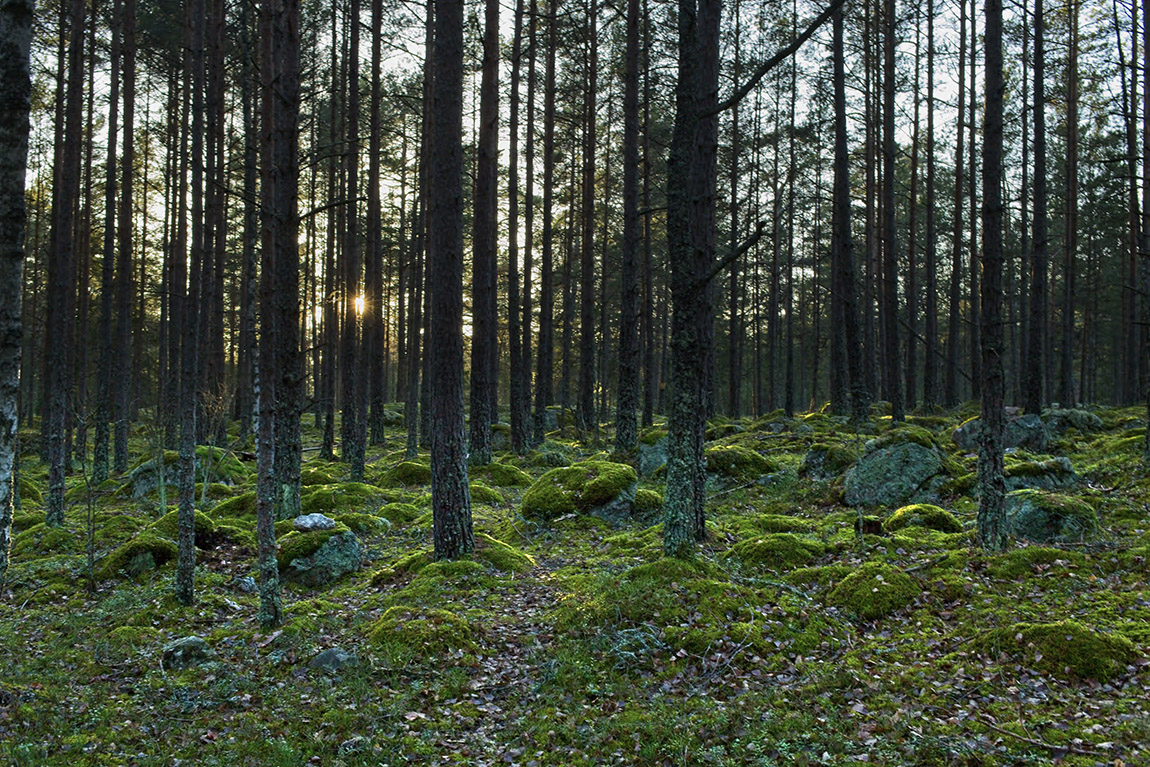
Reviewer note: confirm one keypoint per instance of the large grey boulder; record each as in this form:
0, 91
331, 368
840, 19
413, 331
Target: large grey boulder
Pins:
319, 557
1058, 420
891, 476
1041, 517
306, 523
1042, 474
652, 457
1027, 432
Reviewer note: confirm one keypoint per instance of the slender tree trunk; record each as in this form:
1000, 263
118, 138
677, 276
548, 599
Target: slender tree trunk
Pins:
972, 187
351, 431
648, 308
15, 106
930, 345
124, 257
483, 235
1066, 391
529, 213
545, 351
586, 405
954, 329
1036, 340
518, 395
374, 352
910, 367
245, 402
626, 432
890, 240
450, 497
992, 490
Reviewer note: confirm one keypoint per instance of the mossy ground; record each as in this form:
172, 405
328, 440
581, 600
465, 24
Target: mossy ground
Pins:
570, 643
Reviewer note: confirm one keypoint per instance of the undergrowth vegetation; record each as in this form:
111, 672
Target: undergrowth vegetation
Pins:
805, 632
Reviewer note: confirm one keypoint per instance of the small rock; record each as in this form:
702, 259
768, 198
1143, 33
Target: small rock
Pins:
306, 523
247, 585
333, 660
186, 652
354, 745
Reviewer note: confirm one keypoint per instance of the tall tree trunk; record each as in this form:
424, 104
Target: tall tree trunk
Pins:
124, 257
930, 309
351, 432
484, 232
1036, 339
15, 105
189, 370
450, 497
1066, 391
374, 352
648, 320
910, 368
545, 342
626, 432
107, 271
890, 240
520, 405
245, 402
953, 327
991, 484
529, 215
586, 406
972, 187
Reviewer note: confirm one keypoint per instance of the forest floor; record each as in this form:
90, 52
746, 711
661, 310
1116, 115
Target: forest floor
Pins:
793, 639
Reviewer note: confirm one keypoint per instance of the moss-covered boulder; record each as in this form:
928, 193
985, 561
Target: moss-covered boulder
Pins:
481, 493
648, 504
894, 470
773, 523
423, 631
1043, 517
147, 551
237, 507
600, 488
874, 590
213, 464
168, 526
776, 551
399, 513
922, 515
1065, 648
502, 475
826, 461
1023, 470
322, 474
408, 474
501, 556
363, 524
738, 463
552, 453
1058, 420
500, 436
43, 540
652, 452
318, 557
341, 496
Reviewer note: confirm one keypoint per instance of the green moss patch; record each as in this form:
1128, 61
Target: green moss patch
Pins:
1064, 648
1040, 516
647, 502
826, 461
481, 493
363, 524
342, 496
423, 630
577, 488
922, 515
874, 590
41, 540
322, 474
501, 556
237, 507
1028, 560
408, 474
206, 528
296, 544
738, 463
147, 551
399, 513
777, 551
774, 523
503, 475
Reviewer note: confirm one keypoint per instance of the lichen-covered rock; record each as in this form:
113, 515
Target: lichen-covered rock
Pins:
333, 660
603, 489
1023, 470
826, 461
777, 551
1058, 420
319, 557
874, 590
891, 474
500, 436
186, 652
648, 504
1063, 648
1026, 432
341, 496
213, 464
207, 531
306, 523
1043, 517
922, 515
738, 463
653, 455
147, 551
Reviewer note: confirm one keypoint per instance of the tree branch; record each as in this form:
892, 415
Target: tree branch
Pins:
730, 258
774, 61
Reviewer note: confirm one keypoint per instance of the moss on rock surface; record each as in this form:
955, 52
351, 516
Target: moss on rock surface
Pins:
504, 475
341, 496
552, 453
891, 474
777, 551
481, 493
874, 590
774, 523
501, 556
1062, 648
237, 507
739, 463
168, 526
922, 515
579, 488
408, 474
423, 630
399, 513
826, 461
147, 551
1040, 516
363, 524
318, 557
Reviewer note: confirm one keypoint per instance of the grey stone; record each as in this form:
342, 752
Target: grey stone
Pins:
619, 510
306, 523
1047, 517
1050, 474
1058, 420
1026, 432
333, 659
891, 476
652, 457
247, 585
186, 652
339, 555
